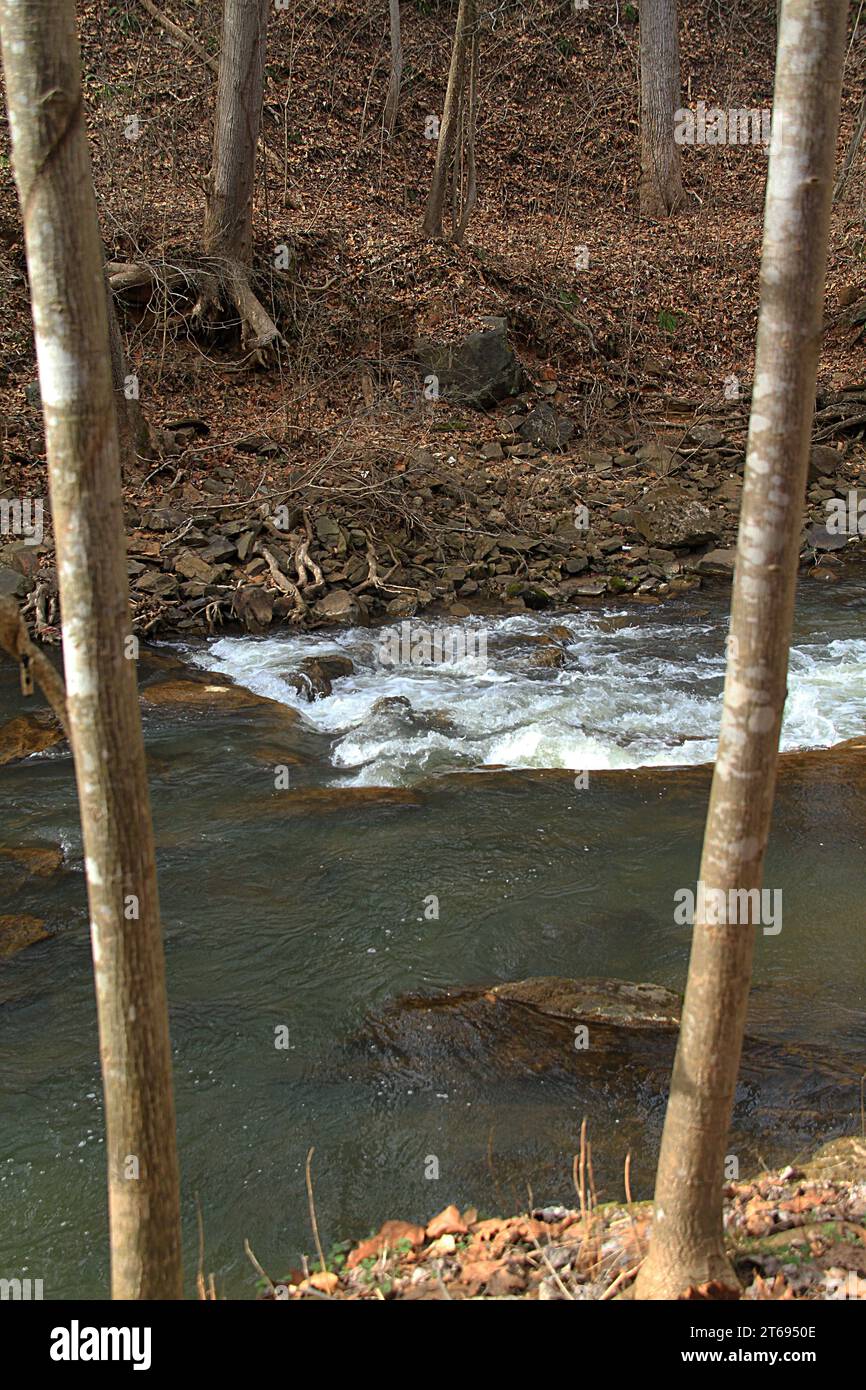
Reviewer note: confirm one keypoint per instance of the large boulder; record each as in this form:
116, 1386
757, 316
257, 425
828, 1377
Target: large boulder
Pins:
480, 371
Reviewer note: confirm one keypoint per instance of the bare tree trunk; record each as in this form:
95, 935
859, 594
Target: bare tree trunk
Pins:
661, 185
392, 100
848, 163
67, 285
132, 428
228, 223
687, 1247
449, 159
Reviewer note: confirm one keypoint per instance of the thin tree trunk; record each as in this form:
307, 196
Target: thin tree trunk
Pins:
661, 185
856, 141
67, 285
455, 95
132, 428
687, 1246
228, 222
392, 100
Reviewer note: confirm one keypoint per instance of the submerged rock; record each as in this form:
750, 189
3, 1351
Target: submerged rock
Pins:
605, 1046
20, 931
28, 734
211, 695
39, 861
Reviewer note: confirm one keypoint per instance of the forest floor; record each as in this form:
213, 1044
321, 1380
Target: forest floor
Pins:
797, 1233
617, 469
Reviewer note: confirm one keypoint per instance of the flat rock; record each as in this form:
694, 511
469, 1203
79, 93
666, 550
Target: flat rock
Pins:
20, 931
213, 696
720, 562
28, 734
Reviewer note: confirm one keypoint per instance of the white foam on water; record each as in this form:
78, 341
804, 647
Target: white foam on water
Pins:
629, 695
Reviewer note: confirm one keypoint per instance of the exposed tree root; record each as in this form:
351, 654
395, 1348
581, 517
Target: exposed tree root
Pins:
221, 293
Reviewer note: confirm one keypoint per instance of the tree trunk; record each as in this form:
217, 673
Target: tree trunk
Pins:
460, 85
687, 1246
661, 185
67, 285
228, 223
392, 100
132, 428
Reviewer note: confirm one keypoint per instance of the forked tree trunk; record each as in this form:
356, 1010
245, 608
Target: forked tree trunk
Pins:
458, 118
228, 222
67, 286
395, 78
686, 1247
661, 185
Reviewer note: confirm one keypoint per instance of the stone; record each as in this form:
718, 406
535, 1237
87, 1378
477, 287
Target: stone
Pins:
253, 607
478, 372
719, 562
211, 695
583, 588
28, 734
546, 428
313, 679
39, 861
339, 606
190, 565
659, 457
20, 931
823, 462
13, 584
819, 538
669, 517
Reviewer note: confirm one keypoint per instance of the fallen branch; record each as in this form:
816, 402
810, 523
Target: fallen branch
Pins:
33, 664
181, 34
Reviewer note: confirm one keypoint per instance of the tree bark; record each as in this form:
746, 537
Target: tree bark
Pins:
67, 286
463, 57
687, 1246
132, 428
395, 78
228, 222
661, 185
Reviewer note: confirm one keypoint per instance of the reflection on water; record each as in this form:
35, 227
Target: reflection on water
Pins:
311, 914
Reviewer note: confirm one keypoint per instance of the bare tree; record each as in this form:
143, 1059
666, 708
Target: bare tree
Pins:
228, 223
455, 151
395, 77
661, 185
687, 1248
64, 259
132, 428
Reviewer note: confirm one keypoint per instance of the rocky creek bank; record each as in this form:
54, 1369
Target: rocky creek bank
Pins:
500, 500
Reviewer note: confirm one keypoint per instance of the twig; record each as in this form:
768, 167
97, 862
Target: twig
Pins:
312, 1205
262, 1273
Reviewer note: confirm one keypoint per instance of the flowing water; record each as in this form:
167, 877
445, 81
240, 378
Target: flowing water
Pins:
310, 910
